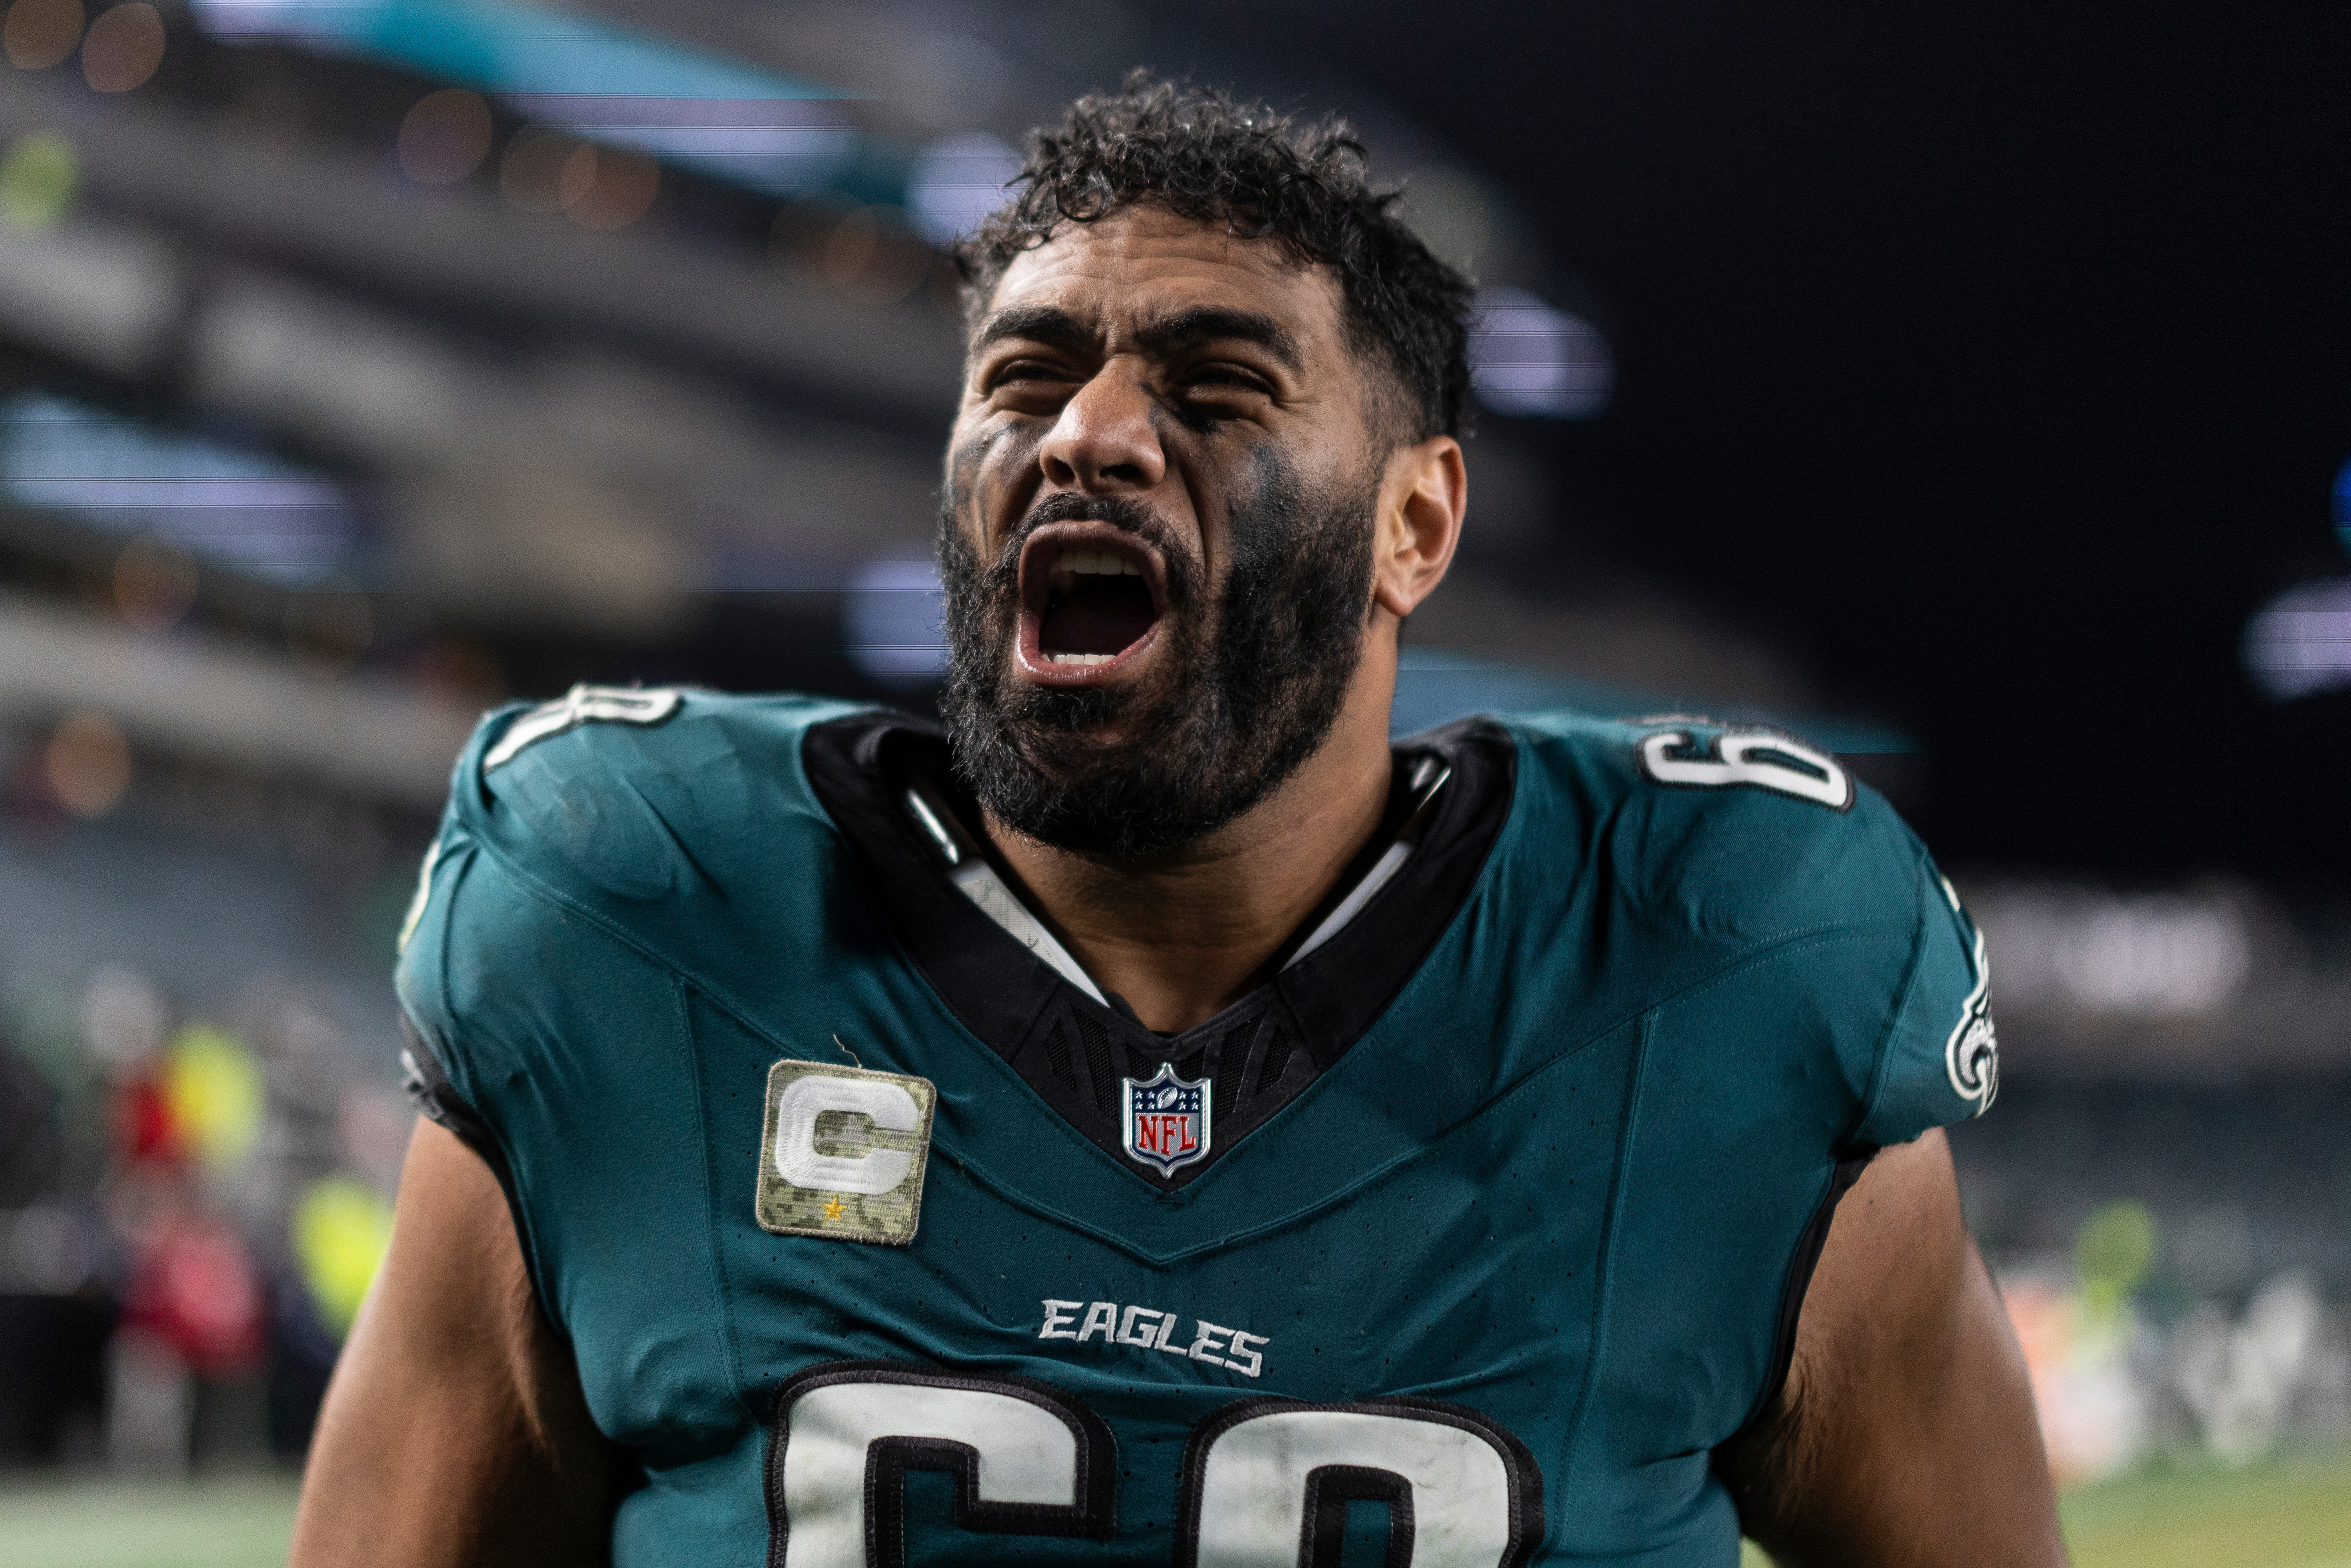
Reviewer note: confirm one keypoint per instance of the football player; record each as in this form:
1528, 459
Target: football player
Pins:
1153, 1118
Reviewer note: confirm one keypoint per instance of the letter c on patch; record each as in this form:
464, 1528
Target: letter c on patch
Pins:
872, 1173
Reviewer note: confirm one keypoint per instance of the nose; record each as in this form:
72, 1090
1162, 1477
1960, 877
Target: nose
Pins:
1103, 443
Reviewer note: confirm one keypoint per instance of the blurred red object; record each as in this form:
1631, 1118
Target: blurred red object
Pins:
144, 1128
193, 1286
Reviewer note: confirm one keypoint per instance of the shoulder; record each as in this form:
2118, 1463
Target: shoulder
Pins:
1722, 829
643, 816
1707, 837
628, 794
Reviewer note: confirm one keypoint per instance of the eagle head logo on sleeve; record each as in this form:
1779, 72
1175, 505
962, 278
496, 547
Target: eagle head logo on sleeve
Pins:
1971, 1054
1163, 1120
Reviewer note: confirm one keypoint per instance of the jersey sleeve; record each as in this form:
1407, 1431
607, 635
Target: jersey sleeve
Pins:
426, 1029
531, 794
445, 1030
1939, 1061
1729, 843
433, 1070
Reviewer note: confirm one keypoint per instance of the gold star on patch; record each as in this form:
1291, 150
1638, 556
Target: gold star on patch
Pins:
832, 1210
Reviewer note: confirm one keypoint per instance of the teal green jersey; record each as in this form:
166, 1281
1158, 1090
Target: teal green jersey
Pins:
883, 1236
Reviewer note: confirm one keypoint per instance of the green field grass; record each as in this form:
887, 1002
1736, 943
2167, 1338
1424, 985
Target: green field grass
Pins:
241, 1523
2290, 1513
2287, 1514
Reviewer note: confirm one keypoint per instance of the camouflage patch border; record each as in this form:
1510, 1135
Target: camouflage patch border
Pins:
886, 1218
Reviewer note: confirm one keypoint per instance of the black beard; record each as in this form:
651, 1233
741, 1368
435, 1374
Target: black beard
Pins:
1218, 728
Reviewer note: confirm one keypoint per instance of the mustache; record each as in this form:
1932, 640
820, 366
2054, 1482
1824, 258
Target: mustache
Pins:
1123, 513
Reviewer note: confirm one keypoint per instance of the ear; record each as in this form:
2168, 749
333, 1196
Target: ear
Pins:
1422, 499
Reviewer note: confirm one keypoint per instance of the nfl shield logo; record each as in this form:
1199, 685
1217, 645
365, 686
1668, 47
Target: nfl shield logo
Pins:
1164, 1119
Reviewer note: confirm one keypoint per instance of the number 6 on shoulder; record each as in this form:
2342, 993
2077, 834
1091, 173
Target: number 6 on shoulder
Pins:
1758, 758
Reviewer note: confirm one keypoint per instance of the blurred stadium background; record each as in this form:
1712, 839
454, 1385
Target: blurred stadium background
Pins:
1969, 392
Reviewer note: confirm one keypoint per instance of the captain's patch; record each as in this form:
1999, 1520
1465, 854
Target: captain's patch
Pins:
845, 1152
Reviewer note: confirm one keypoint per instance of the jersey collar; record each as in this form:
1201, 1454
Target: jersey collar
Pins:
884, 779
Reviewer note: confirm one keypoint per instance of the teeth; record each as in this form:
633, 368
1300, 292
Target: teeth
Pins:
1080, 658
1097, 563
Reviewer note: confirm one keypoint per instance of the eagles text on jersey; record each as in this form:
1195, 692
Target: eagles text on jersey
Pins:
882, 1238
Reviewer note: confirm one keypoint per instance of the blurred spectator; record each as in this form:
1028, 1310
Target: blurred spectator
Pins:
2124, 1370
192, 1336
179, 1300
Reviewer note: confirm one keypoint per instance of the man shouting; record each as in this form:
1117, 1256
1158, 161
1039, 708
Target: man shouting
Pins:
1155, 1117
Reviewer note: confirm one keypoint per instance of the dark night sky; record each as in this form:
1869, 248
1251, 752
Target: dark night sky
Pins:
1997, 364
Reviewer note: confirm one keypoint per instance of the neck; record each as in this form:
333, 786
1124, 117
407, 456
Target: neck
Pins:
1183, 935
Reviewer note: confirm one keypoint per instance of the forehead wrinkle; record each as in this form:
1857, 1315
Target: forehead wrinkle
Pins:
1041, 323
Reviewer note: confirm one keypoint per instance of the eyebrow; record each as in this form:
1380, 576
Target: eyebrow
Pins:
1168, 335
1040, 323
1207, 323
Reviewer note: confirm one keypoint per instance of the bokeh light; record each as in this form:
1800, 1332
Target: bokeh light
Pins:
601, 83
444, 136
530, 171
2300, 642
778, 145
893, 620
798, 240
51, 1250
123, 47
608, 187
2112, 1252
194, 1288
213, 1087
87, 764
2341, 499
122, 1017
577, 177
1529, 358
39, 34
154, 582
2150, 956
461, 671
875, 257
340, 1230
245, 509
958, 180
39, 177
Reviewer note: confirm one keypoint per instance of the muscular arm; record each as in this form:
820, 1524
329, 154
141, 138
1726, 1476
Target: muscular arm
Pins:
1905, 1433
455, 1431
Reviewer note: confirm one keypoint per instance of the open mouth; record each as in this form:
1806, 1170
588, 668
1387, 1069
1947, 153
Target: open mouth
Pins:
1090, 597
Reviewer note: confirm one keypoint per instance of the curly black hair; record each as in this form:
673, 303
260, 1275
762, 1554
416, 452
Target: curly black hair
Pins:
1203, 155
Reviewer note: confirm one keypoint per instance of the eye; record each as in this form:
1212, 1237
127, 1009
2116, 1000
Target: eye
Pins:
1026, 380
1026, 386
1227, 378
